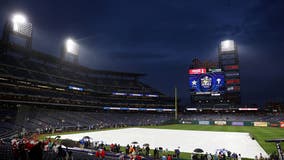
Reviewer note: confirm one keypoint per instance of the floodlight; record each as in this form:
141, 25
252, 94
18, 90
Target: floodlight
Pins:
19, 18
71, 46
21, 26
227, 45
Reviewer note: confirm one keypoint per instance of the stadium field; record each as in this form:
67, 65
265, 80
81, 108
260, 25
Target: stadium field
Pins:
259, 133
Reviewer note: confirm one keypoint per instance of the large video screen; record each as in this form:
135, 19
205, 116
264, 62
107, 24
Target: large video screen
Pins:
207, 83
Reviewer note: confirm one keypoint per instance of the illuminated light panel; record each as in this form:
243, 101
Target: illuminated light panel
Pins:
248, 109
230, 88
197, 71
119, 94
152, 95
168, 110
150, 109
232, 74
201, 93
71, 46
136, 94
233, 88
21, 25
215, 70
227, 45
75, 88
19, 18
115, 108
43, 86
60, 89
191, 109
231, 67
215, 94
139, 109
237, 88
233, 81
134, 109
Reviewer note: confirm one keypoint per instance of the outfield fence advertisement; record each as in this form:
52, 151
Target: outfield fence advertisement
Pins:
186, 122
282, 124
248, 123
237, 123
220, 123
204, 122
260, 124
274, 124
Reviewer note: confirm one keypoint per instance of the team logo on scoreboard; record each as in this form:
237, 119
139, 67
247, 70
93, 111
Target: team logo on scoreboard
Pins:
218, 81
206, 82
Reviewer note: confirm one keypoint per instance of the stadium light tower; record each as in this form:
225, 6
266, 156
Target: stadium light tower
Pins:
229, 63
228, 45
70, 48
18, 19
18, 25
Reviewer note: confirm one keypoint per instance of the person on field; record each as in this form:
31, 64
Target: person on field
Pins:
239, 157
177, 153
147, 151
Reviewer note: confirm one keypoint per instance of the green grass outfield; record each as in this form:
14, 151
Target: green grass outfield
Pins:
259, 133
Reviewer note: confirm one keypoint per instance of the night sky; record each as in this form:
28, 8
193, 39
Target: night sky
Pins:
160, 38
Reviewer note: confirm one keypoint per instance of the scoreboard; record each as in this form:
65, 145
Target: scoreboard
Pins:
212, 82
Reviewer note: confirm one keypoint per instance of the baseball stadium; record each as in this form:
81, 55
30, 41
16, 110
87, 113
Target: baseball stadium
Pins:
53, 107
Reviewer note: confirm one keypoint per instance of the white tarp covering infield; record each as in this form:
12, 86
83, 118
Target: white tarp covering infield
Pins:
238, 142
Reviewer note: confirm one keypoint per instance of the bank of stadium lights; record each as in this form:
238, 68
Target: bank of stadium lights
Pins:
71, 46
19, 18
227, 45
21, 25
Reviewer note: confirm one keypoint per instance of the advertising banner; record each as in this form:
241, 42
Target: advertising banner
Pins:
233, 81
220, 123
237, 123
232, 74
282, 124
274, 124
197, 71
260, 124
215, 70
186, 122
248, 123
231, 67
204, 122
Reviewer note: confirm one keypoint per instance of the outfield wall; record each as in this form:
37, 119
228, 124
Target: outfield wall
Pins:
235, 123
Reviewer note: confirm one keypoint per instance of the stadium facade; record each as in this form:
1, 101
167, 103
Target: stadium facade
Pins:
216, 84
34, 78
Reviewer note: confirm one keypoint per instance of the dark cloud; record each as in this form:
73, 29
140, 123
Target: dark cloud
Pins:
139, 56
228, 30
